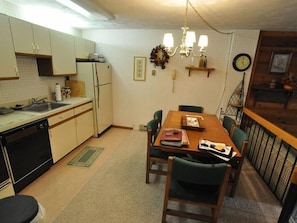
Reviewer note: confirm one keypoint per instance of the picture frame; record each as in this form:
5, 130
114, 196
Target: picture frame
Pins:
139, 68
279, 62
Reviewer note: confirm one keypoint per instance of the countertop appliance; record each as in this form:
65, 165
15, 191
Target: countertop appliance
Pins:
97, 78
27, 152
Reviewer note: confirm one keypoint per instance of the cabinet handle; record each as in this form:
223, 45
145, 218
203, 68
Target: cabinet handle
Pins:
16, 71
37, 47
62, 116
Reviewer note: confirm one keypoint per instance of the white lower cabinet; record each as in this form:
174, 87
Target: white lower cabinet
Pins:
6, 189
63, 139
84, 126
69, 129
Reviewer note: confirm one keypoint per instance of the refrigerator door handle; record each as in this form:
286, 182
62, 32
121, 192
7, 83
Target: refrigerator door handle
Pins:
97, 78
98, 92
98, 85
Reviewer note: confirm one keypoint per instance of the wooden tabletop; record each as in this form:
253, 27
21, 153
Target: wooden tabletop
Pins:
214, 131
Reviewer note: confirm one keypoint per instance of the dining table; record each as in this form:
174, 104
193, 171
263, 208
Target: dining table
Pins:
211, 129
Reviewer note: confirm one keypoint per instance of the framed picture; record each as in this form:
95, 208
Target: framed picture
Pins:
139, 68
279, 62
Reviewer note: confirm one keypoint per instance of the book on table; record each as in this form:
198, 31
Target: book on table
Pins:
174, 137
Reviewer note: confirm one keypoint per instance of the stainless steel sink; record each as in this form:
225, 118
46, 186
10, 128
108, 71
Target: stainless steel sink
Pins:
44, 107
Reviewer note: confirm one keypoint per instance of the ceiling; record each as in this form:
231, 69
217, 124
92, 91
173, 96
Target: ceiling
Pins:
277, 15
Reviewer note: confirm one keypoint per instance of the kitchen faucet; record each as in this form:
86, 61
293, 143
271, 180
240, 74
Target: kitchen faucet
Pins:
41, 100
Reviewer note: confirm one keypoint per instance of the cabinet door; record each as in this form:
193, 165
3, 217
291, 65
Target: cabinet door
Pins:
80, 48
84, 126
6, 189
63, 139
63, 53
22, 36
90, 46
8, 64
42, 41
83, 48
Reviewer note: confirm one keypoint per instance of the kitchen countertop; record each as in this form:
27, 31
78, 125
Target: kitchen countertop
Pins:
18, 118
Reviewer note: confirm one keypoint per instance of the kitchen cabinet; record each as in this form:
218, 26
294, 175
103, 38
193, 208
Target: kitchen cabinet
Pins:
83, 48
63, 53
42, 40
63, 139
69, 129
8, 67
6, 189
90, 46
84, 122
30, 38
62, 134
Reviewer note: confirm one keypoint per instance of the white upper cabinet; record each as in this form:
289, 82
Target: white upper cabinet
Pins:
83, 48
63, 53
8, 64
42, 40
90, 46
30, 38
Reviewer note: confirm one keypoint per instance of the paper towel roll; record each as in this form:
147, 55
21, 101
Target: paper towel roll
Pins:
58, 92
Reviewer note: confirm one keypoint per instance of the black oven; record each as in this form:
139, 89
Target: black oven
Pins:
27, 152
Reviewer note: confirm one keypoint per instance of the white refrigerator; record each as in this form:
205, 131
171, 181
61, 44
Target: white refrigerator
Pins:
97, 78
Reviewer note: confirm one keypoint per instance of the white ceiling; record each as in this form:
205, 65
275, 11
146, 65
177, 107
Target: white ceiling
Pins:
279, 15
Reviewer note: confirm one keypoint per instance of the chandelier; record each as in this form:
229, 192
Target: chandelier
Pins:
188, 40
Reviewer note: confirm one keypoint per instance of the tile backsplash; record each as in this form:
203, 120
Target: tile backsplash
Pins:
29, 85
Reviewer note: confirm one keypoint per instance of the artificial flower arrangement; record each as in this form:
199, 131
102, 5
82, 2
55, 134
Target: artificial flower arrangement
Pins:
159, 56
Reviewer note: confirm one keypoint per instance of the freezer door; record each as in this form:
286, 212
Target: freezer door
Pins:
104, 108
103, 71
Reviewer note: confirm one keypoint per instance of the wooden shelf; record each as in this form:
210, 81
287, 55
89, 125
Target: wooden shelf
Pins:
190, 68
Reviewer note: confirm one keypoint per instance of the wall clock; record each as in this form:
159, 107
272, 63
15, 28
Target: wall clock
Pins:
242, 62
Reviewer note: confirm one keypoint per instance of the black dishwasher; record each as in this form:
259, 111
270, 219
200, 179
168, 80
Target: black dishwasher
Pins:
27, 152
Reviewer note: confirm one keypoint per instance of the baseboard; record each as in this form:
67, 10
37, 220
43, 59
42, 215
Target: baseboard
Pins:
122, 127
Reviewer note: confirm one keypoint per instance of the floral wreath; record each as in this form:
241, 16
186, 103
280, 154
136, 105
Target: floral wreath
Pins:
159, 56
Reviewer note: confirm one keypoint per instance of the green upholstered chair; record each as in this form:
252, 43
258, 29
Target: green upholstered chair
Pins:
154, 156
240, 139
158, 116
229, 124
196, 184
190, 108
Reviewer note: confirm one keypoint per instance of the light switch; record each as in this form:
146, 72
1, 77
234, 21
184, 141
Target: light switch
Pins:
153, 72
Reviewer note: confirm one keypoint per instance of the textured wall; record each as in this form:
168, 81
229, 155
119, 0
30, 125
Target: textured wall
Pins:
29, 84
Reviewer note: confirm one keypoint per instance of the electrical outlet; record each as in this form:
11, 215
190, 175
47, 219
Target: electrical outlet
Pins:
142, 127
153, 72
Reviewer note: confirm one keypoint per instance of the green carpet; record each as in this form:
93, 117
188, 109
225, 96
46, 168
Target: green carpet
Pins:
86, 157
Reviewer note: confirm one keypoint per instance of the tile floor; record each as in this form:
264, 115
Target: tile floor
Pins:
57, 187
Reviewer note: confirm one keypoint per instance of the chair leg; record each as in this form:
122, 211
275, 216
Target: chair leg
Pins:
147, 174
215, 215
234, 186
164, 214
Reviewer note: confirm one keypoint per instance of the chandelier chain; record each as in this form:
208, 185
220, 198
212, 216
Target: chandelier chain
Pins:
186, 15
209, 25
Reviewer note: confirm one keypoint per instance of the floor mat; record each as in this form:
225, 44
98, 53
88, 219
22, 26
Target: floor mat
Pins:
86, 157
